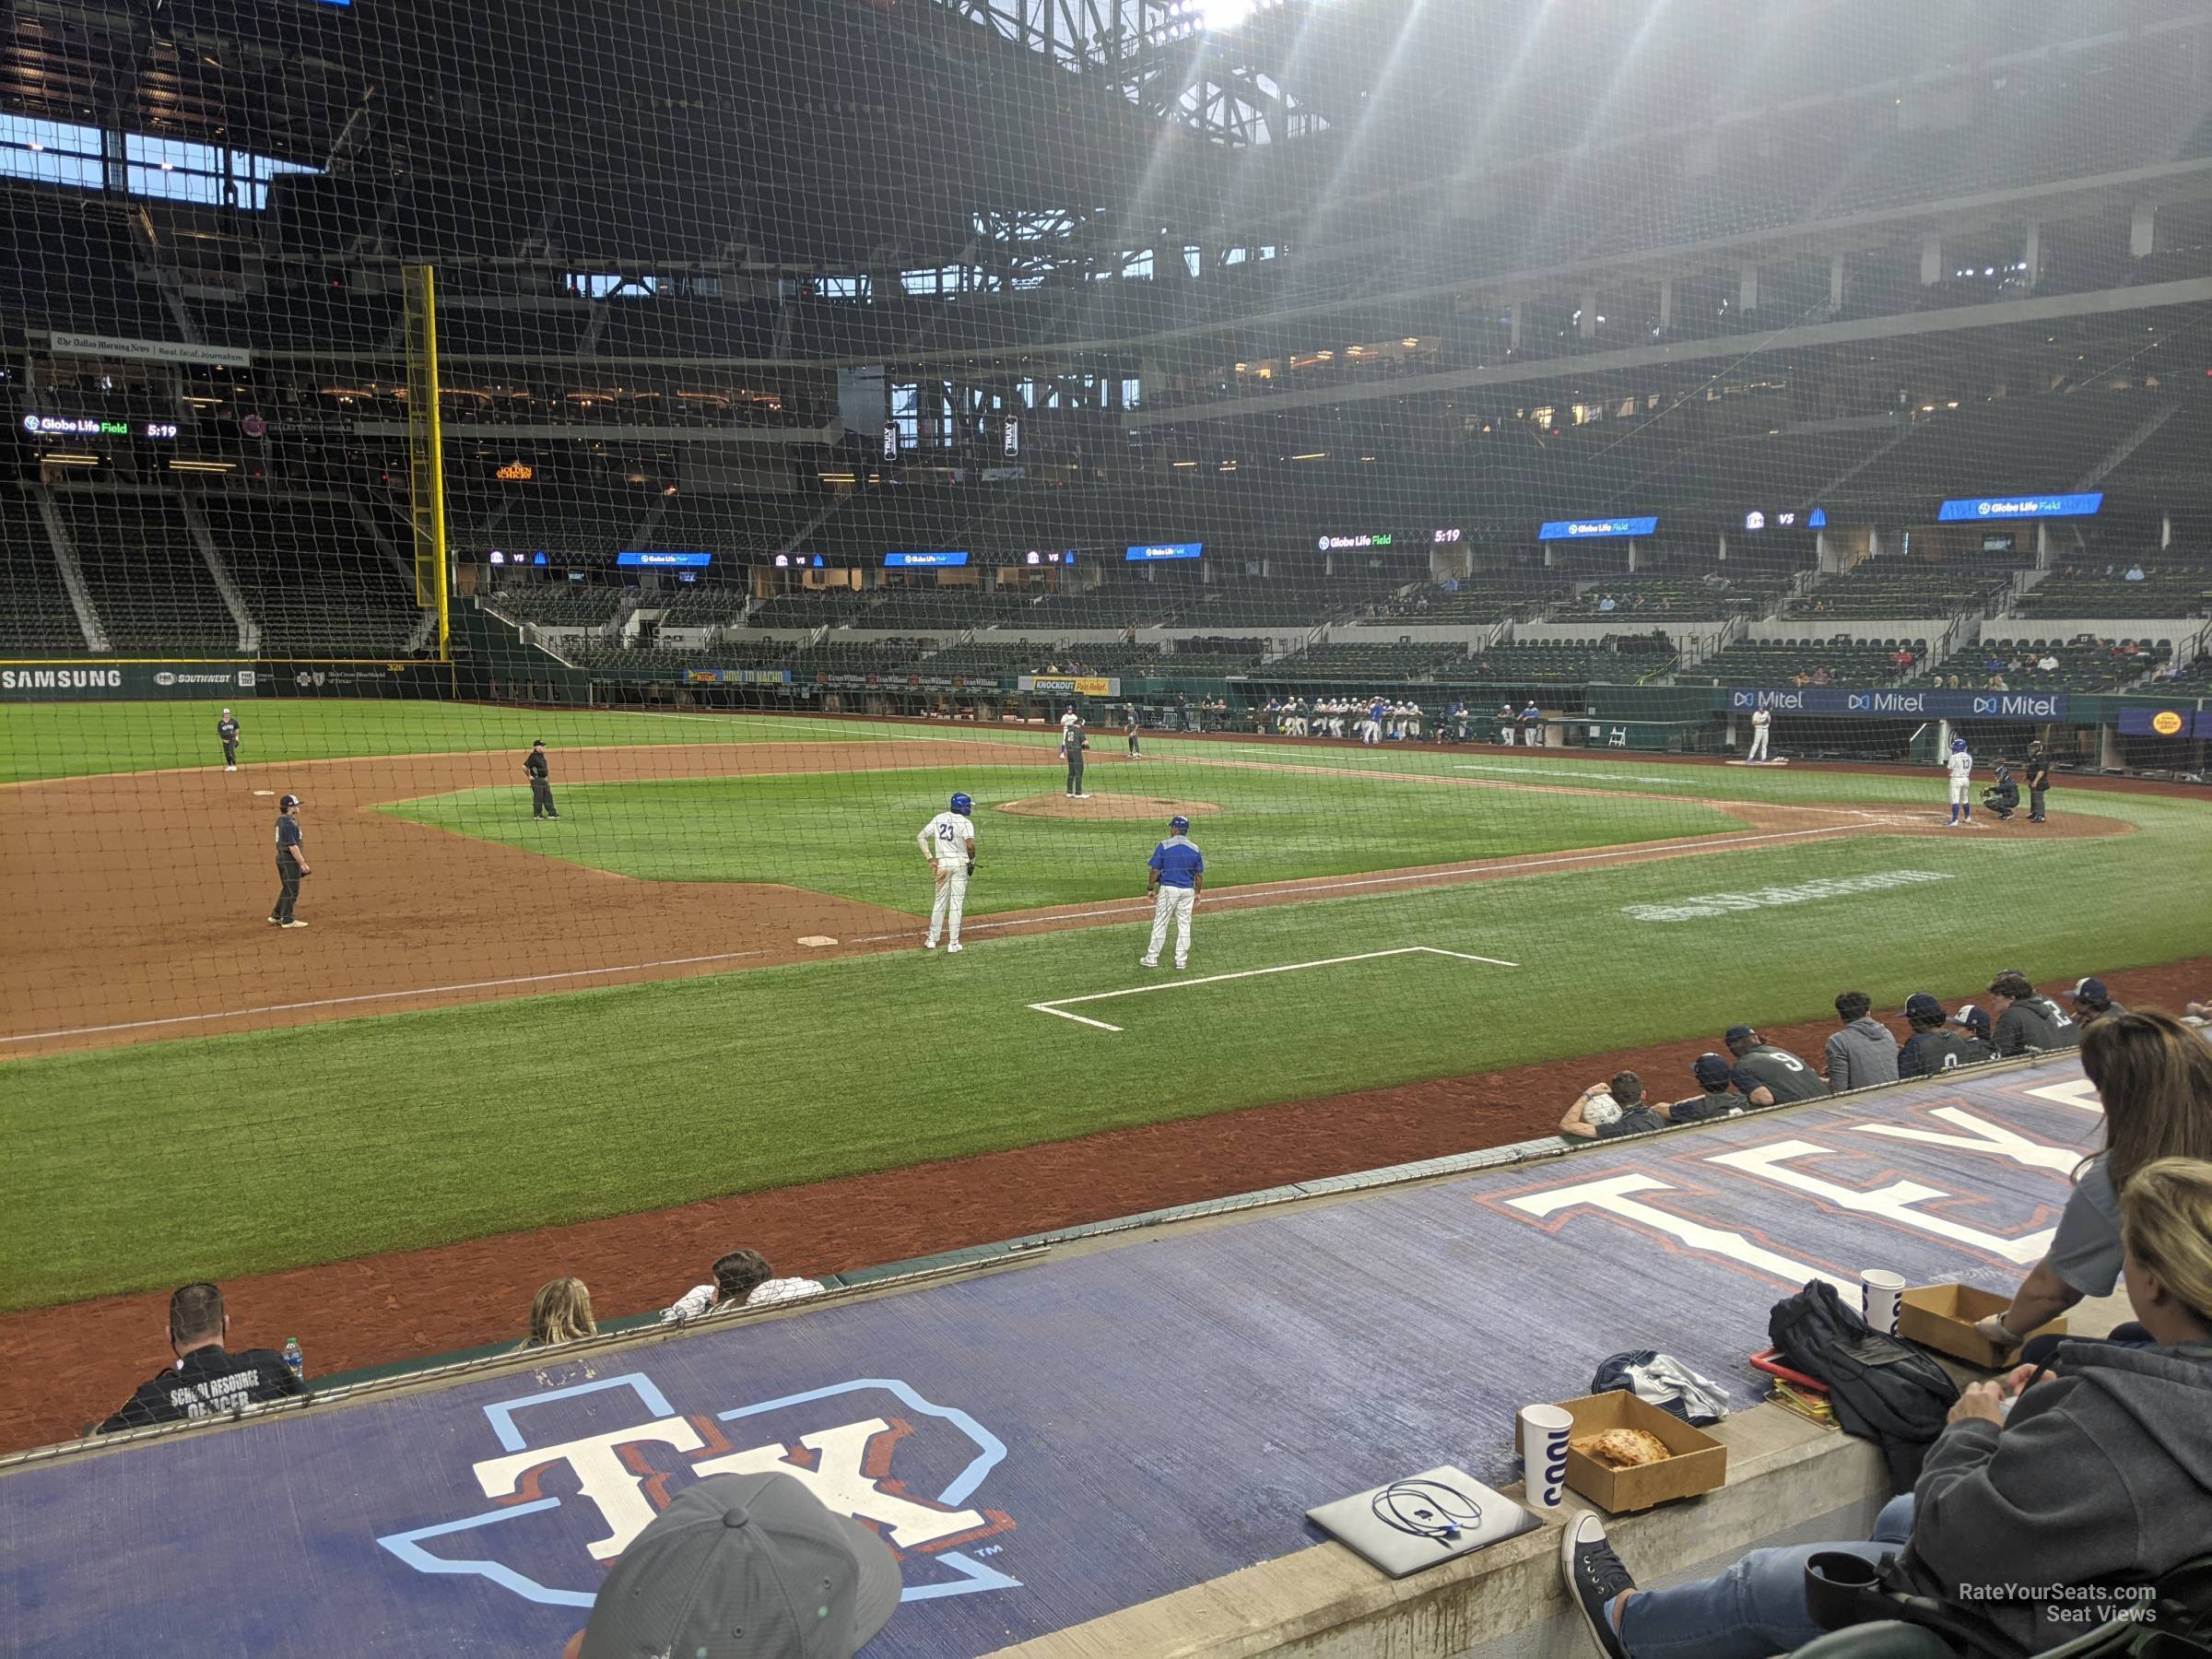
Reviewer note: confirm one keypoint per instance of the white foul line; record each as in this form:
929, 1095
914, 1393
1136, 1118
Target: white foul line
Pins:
369, 997
1058, 1005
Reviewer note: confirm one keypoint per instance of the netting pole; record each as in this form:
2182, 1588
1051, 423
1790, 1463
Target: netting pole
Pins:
426, 454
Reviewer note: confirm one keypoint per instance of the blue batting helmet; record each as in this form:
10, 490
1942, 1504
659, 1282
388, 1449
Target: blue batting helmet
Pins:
1179, 823
962, 804
1958, 745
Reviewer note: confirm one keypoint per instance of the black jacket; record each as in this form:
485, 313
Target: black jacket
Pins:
207, 1383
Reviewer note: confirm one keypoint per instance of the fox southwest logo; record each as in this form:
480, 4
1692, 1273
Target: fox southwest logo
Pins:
566, 1494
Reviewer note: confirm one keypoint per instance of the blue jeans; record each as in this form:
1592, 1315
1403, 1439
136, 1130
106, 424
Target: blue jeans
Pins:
1755, 1608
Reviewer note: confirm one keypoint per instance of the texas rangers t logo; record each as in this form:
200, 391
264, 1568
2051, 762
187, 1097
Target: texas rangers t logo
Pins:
563, 1505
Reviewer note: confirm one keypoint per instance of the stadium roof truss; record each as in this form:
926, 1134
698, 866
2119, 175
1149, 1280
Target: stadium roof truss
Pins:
1160, 55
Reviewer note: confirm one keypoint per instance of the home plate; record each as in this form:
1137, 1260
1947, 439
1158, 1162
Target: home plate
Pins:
815, 941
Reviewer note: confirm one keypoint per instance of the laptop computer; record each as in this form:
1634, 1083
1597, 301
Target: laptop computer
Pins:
1437, 1515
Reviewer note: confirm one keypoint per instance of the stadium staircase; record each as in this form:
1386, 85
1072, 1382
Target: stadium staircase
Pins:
249, 630
73, 573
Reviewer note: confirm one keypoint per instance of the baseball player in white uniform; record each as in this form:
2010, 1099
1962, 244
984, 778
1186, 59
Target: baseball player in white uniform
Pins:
1961, 766
1177, 870
1760, 721
948, 843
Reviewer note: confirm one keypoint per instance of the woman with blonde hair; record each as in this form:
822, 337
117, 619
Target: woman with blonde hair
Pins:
2043, 1483
561, 1313
2154, 1076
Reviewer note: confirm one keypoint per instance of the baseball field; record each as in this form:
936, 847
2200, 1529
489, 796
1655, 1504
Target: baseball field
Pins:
706, 977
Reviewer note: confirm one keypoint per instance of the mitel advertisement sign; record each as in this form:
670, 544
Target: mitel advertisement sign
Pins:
1882, 703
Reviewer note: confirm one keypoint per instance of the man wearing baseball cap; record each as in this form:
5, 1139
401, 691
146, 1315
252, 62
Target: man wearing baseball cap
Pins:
744, 1567
1715, 1098
291, 863
1933, 1048
2092, 1001
1767, 1075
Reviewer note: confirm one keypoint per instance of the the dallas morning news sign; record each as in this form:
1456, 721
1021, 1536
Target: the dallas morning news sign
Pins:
1903, 704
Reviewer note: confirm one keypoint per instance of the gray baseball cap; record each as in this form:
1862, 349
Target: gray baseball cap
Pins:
745, 1566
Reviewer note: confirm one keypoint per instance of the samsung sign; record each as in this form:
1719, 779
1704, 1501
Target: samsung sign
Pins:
2021, 507
921, 562
1164, 551
664, 561
1590, 529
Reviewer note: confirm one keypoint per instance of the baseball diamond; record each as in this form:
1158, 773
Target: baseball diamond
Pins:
1070, 801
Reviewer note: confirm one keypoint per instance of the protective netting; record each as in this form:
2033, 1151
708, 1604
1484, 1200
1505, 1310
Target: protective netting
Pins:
1542, 387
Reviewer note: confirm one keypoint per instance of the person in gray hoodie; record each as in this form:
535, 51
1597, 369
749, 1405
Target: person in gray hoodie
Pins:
1864, 1052
2042, 1483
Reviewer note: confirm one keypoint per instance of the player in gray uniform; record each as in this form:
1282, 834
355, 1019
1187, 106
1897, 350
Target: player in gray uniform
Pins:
1073, 741
226, 731
1767, 1075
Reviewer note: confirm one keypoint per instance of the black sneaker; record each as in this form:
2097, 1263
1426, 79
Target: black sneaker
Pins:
1594, 1576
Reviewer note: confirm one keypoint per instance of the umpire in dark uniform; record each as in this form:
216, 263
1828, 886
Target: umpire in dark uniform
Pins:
226, 731
2039, 780
541, 785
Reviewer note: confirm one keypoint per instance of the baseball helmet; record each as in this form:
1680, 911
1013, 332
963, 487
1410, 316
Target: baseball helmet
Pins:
1179, 823
1958, 745
962, 804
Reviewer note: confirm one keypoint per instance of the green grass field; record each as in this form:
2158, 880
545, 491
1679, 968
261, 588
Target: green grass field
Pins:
138, 1167
1271, 829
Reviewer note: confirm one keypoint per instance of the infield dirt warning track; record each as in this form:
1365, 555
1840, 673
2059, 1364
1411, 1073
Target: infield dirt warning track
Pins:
135, 902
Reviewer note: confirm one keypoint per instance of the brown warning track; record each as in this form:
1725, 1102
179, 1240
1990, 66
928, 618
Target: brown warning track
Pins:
140, 897
74, 1364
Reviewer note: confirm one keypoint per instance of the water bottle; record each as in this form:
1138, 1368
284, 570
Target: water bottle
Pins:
295, 1358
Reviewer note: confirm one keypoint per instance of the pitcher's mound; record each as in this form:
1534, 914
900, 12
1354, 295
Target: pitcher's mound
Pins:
1103, 805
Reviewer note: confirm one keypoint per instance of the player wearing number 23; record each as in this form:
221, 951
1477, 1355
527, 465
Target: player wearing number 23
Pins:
1178, 872
948, 843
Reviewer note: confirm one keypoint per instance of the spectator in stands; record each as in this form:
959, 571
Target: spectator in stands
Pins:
1820, 675
1996, 683
205, 1381
561, 1311
1589, 1119
2134, 573
1975, 1023
1933, 1047
1767, 1075
2153, 1075
2048, 664
2103, 1473
1864, 1052
2027, 1021
1716, 1096
742, 1279
1904, 659
1606, 604
2092, 1001
752, 1563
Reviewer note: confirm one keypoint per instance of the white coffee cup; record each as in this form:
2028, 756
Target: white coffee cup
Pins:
1881, 1295
1544, 1432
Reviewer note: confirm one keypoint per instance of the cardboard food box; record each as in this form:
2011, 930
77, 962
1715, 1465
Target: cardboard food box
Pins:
1699, 1462
1942, 1317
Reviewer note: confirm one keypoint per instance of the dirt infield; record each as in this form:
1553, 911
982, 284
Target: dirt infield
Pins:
1112, 808
75, 1364
137, 936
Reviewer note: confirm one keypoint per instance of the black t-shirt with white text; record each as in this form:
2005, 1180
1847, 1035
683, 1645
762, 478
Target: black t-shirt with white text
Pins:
1700, 1108
207, 1383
